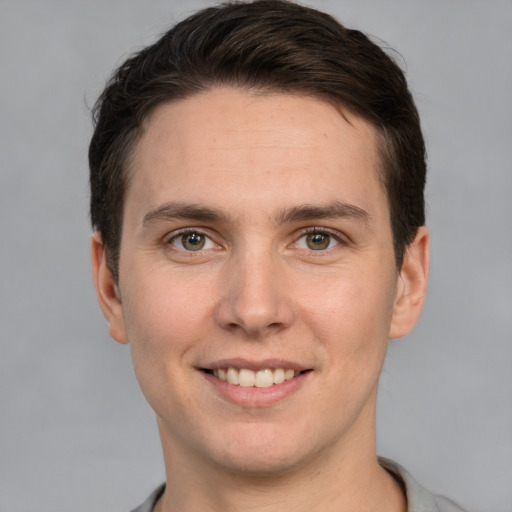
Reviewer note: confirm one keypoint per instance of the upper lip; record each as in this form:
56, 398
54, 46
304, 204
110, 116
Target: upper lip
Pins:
255, 365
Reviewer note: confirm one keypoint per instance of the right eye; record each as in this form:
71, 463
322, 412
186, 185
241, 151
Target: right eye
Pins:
192, 241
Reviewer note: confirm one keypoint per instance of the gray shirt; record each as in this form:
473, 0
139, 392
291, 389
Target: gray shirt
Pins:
418, 498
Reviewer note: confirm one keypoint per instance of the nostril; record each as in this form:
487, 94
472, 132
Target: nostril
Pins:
256, 314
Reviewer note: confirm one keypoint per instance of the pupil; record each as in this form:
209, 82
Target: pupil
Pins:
193, 241
318, 241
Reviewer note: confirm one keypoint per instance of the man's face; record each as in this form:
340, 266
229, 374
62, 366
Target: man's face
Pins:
256, 243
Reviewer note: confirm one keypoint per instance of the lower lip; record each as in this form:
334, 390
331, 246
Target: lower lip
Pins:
257, 397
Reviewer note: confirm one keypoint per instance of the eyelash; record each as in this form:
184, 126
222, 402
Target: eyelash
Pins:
303, 233
321, 231
188, 231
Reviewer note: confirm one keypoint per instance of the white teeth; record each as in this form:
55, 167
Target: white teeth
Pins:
260, 379
246, 378
232, 376
278, 376
289, 374
263, 379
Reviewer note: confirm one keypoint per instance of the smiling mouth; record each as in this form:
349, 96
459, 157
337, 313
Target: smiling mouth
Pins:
247, 378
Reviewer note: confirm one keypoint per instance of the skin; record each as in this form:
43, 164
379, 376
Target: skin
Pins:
237, 169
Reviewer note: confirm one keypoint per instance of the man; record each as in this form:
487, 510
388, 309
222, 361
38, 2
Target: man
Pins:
257, 182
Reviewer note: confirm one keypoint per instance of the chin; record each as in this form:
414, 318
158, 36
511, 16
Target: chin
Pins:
256, 466
264, 454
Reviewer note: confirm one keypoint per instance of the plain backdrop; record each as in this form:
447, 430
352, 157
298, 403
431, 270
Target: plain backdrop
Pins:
75, 433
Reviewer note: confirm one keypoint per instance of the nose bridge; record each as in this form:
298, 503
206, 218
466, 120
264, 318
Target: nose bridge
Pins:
255, 296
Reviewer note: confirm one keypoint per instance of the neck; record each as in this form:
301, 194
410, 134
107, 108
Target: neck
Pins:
342, 479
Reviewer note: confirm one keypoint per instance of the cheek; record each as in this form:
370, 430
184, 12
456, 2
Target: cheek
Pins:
163, 326
350, 301
160, 298
351, 318
164, 318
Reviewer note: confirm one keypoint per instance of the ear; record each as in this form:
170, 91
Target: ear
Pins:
107, 290
412, 285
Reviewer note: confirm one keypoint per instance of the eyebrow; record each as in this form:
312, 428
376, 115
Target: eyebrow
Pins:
305, 212
169, 211
333, 210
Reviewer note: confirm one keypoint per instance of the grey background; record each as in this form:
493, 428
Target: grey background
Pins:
75, 432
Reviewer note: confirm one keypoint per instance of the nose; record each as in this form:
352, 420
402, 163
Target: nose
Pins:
255, 302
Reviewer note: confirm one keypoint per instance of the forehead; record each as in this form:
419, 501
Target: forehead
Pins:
229, 143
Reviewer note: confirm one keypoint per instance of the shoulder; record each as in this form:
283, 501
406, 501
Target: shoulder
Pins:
447, 505
419, 499
150, 502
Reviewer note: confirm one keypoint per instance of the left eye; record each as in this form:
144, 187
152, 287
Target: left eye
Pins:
192, 241
317, 241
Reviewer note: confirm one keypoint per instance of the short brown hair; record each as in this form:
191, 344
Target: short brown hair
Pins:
272, 45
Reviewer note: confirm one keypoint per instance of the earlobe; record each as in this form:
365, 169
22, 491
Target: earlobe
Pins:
107, 290
412, 285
